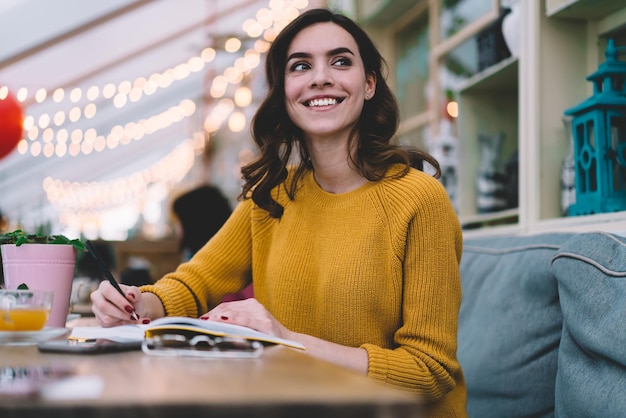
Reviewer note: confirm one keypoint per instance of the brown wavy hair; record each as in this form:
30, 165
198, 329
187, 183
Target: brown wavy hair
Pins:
279, 140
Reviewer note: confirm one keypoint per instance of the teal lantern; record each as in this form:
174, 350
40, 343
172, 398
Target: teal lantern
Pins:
599, 134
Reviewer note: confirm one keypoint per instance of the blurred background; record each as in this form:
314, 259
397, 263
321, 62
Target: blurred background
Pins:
126, 104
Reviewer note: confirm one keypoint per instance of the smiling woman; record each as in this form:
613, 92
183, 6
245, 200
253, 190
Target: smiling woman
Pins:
352, 249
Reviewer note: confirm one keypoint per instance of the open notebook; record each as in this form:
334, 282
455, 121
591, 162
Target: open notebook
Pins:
178, 325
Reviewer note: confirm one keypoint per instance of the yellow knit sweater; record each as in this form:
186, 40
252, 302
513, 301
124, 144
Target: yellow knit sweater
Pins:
377, 267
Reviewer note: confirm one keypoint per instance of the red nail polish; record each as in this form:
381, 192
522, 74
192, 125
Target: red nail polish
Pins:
205, 318
224, 318
145, 321
128, 309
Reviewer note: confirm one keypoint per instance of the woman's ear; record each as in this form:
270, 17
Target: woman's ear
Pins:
370, 86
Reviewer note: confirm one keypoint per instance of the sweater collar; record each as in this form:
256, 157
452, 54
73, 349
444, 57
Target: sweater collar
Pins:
312, 190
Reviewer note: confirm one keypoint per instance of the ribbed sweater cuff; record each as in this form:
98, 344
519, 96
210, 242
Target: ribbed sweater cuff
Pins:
377, 367
402, 375
171, 300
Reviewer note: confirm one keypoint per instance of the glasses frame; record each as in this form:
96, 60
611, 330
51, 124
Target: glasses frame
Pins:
200, 345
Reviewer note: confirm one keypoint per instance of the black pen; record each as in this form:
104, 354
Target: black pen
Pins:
108, 274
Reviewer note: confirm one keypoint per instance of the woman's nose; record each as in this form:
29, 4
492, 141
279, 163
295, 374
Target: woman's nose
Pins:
321, 77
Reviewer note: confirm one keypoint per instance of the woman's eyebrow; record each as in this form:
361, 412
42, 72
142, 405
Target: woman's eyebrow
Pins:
297, 55
332, 52
340, 50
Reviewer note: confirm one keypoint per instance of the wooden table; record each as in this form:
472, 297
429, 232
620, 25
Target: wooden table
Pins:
283, 382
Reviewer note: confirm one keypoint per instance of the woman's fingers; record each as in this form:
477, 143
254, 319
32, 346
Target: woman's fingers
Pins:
104, 319
111, 308
248, 312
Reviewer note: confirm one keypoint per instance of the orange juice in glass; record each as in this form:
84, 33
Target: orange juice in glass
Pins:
24, 310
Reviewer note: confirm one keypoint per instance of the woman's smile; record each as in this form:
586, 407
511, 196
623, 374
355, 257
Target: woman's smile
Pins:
323, 101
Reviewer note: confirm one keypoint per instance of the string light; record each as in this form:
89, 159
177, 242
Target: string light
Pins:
218, 115
236, 121
78, 198
84, 204
243, 96
453, 109
232, 45
118, 135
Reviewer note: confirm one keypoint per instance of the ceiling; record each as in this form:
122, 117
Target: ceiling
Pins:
78, 45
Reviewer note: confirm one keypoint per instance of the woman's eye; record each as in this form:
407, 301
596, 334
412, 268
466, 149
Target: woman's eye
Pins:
342, 62
299, 66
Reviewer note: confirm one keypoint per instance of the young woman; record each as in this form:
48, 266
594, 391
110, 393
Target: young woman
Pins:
353, 251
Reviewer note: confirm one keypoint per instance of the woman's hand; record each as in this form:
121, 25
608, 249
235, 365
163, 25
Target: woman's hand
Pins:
111, 308
252, 314
249, 313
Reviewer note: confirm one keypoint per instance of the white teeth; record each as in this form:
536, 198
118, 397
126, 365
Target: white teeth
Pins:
322, 102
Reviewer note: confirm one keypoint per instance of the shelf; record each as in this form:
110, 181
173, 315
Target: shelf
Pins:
582, 9
607, 222
501, 77
488, 103
496, 218
384, 12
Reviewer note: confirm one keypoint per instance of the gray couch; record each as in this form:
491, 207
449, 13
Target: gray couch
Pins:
542, 327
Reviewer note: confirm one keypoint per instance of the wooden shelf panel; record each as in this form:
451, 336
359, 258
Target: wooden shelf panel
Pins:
501, 77
582, 9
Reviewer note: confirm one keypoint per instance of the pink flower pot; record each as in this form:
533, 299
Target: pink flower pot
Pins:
42, 267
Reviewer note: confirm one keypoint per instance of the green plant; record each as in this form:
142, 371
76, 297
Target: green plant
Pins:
19, 237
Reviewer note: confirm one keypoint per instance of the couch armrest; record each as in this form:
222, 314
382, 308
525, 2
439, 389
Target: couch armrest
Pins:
591, 273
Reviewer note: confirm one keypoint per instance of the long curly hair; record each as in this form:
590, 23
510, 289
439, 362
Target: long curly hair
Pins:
279, 140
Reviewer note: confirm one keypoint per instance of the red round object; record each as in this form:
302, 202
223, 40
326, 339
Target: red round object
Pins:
11, 124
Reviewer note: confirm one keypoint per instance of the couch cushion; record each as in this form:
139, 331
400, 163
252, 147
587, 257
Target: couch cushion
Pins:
510, 325
591, 273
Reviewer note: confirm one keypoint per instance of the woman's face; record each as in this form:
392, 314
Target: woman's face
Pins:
325, 82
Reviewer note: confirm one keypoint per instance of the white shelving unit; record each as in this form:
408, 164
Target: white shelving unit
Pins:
561, 43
